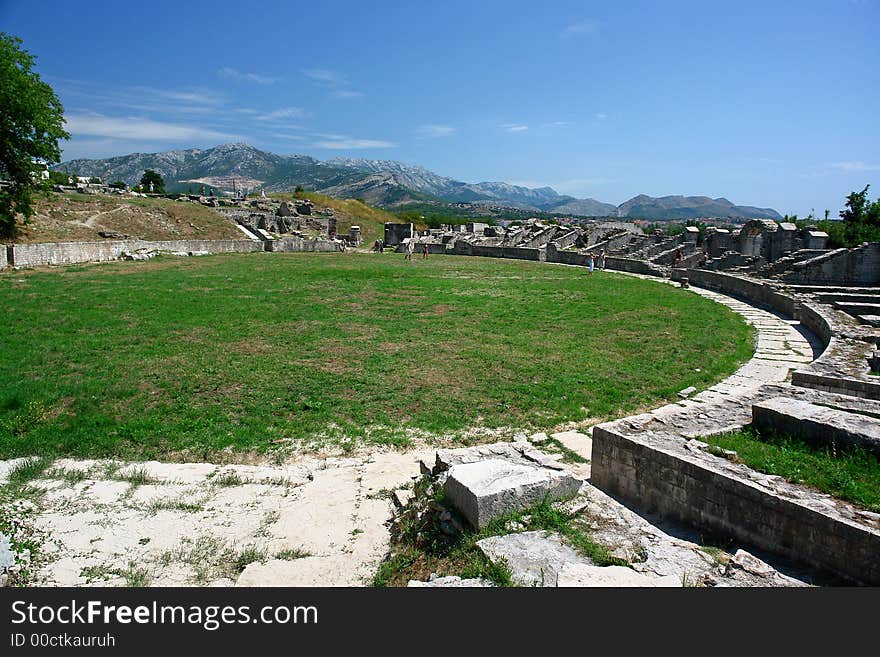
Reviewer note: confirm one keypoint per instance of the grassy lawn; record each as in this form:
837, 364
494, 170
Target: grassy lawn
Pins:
185, 358
852, 475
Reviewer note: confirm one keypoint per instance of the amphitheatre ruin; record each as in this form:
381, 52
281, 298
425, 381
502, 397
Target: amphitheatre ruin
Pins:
294, 403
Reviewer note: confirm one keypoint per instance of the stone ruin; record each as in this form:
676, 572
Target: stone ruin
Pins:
814, 376
760, 248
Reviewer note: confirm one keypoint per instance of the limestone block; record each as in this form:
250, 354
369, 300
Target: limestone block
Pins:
574, 574
534, 558
450, 582
818, 425
486, 489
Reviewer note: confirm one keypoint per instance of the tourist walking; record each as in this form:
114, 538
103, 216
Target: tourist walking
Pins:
601, 263
424, 250
590, 262
409, 249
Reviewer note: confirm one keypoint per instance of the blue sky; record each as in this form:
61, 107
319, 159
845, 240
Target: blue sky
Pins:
773, 104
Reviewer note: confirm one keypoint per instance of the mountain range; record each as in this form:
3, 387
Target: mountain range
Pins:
386, 183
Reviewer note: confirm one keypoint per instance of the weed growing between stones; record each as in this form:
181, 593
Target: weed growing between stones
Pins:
291, 554
212, 558
20, 540
568, 456
428, 536
134, 576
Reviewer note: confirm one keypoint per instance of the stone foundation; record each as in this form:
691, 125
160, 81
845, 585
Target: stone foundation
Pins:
661, 476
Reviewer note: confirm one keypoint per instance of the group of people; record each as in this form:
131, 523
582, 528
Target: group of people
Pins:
594, 261
410, 247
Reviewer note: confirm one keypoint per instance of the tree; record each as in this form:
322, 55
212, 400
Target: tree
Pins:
118, 184
31, 123
59, 178
860, 218
154, 177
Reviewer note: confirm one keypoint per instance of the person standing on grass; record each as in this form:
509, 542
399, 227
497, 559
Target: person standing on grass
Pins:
601, 263
590, 262
424, 250
409, 249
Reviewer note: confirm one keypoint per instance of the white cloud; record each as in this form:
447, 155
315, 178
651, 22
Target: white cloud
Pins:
432, 130
325, 76
333, 80
346, 94
556, 124
855, 165
282, 114
228, 72
347, 143
287, 137
137, 128
188, 97
514, 127
601, 116
581, 28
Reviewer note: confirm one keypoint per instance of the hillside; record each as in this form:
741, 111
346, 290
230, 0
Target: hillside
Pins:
349, 212
385, 183
80, 217
690, 207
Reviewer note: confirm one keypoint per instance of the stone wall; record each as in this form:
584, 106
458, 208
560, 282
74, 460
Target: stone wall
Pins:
67, 253
462, 247
632, 265
566, 257
743, 288
687, 488
3, 249
858, 266
396, 233
298, 244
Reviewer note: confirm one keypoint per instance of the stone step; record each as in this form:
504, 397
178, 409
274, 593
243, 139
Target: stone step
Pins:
817, 425
813, 289
858, 307
831, 297
870, 320
841, 402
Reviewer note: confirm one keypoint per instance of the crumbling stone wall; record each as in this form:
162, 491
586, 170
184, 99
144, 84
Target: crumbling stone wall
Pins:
68, 253
396, 233
688, 489
858, 266
299, 244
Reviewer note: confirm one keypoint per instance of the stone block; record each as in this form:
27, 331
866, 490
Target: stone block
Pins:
450, 581
486, 489
572, 574
817, 425
534, 558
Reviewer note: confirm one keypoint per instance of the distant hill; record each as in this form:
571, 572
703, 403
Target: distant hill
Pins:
385, 183
690, 207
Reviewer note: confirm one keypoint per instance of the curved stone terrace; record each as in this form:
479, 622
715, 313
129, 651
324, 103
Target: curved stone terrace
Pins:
322, 521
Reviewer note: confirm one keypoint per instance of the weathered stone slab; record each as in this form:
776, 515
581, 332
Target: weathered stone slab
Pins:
534, 558
451, 581
484, 490
579, 443
576, 574
817, 425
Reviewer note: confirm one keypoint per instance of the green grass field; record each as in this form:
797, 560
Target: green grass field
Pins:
185, 358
